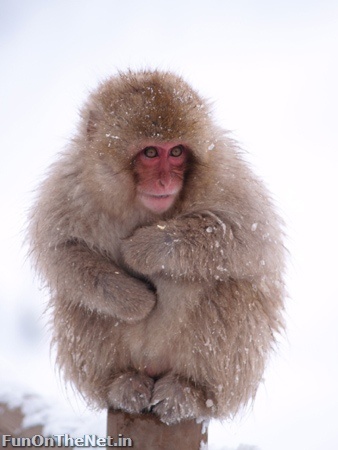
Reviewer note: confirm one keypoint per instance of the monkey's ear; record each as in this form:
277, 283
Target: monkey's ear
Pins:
92, 124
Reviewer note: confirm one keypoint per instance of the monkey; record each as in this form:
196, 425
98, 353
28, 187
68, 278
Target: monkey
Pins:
163, 254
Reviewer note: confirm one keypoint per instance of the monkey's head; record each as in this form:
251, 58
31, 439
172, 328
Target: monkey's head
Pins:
152, 126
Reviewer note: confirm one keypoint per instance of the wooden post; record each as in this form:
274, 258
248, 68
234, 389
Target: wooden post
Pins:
147, 432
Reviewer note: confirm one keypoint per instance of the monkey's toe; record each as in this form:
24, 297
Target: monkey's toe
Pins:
131, 392
174, 400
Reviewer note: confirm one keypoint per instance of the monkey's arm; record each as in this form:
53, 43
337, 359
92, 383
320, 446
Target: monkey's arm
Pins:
200, 246
80, 275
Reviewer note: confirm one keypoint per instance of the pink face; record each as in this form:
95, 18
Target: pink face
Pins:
160, 174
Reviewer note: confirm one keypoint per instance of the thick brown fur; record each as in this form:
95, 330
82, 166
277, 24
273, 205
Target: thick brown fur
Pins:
174, 313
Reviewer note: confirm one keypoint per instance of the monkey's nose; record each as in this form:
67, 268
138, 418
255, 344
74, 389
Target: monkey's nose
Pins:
165, 180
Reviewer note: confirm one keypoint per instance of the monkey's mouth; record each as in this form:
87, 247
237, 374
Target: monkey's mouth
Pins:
157, 203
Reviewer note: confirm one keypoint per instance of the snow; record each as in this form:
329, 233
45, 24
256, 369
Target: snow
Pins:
272, 71
51, 411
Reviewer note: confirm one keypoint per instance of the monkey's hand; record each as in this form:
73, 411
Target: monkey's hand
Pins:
128, 298
86, 278
145, 251
192, 247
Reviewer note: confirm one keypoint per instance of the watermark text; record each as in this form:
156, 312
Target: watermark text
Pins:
65, 440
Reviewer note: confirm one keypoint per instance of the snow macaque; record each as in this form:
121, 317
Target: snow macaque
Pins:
163, 255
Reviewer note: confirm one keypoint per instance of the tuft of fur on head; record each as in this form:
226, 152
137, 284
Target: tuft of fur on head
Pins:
149, 105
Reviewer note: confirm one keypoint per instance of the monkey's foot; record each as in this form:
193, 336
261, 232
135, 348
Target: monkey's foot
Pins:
174, 400
131, 392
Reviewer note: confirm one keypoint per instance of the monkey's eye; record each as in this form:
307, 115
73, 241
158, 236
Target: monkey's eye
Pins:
176, 151
150, 152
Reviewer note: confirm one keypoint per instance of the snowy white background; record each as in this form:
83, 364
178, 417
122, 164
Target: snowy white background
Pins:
272, 69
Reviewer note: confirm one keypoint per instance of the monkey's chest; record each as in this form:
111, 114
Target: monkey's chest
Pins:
151, 344
154, 343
